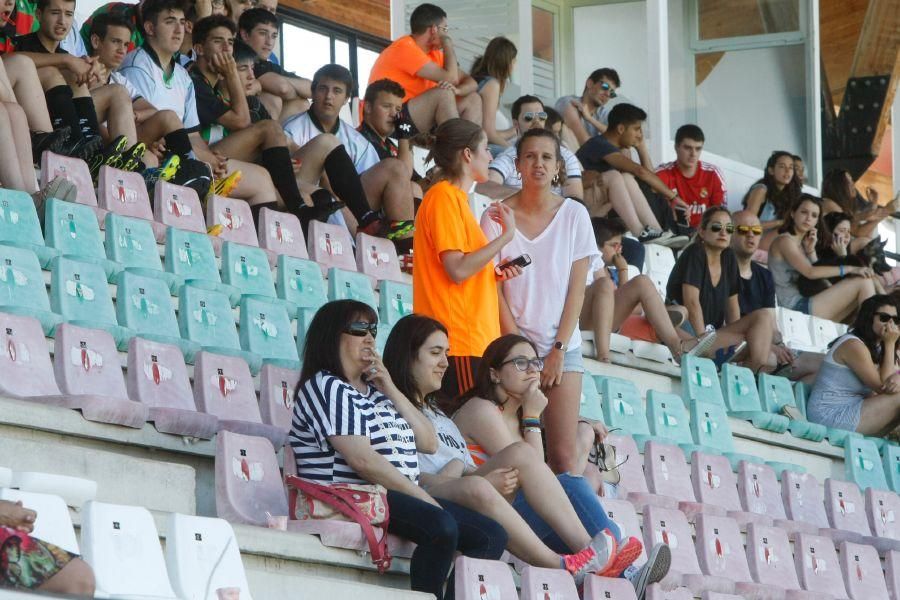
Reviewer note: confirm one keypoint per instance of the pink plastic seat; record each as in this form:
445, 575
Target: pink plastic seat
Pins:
623, 514
178, 206
607, 588
669, 478
158, 379
76, 171
223, 387
760, 493
769, 557
330, 246
883, 510
236, 223
478, 579
803, 499
248, 482
280, 233
720, 596
125, 193
658, 592
631, 468
892, 574
25, 368
86, 364
817, 566
715, 485
540, 584
862, 572
277, 387
846, 512
377, 258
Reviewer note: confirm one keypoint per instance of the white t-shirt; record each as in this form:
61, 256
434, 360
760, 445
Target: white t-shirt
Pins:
302, 129
505, 165
451, 444
536, 298
175, 93
116, 77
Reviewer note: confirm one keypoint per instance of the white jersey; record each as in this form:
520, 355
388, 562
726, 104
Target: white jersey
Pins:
116, 77
302, 128
176, 93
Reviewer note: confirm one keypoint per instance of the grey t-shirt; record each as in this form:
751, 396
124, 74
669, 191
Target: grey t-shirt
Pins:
601, 113
451, 444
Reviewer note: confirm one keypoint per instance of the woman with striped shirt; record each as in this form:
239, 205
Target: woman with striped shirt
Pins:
352, 425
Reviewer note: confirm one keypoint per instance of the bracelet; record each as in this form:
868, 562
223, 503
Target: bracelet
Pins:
841, 270
531, 430
531, 422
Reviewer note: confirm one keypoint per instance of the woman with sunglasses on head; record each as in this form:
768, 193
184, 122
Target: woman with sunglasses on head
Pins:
858, 385
352, 425
705, 281
793, 253
773, 195
491, 71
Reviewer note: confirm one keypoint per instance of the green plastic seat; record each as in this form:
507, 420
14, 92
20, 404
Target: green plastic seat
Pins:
711, 430
891, 461
699, 380
131, 243
775, 393
79, 293
73, 230
863, 465
667, 419
22, 288
20, 226
591, 405
266, 330
247, 269
304, 318
779, 467
350, 285
190, 257
622, 407
394, 302
144, 305
205, 317
880, 443
742, 399
801, 395
384, 330
299, 281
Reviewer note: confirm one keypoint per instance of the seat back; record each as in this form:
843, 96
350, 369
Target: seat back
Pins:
591, 404
667, 417
714, 482
74, 170
79, 291
304, 318
277, 387
883, 510
658, 259
720, 549
299, 281
863, 464
19, 222
775, 392
739, 389
769, 557
190, 255
377, 257
817, 565
234, 219
892, 573
795, 326
699, 380
178, 206
265, 329
607, 588
280, 232
759, 491
845, 507
248, 482
203, 555
87, 362
122, 546
667, 471
247, 269
205, 317
631, 464
539, 584
25, 367
72, 229
144, 304
670, 526
801, 395
861, 568
157, 375
131, 242
622, 406
53, 523
623, 514
21, 280
330, 246
803, 498
477, 578
223, 387
710, 427
395, 301
824, 332
124, 192
350, 285
891, 463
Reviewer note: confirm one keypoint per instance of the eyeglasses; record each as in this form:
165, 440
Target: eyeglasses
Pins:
361, 328
746, 229
443, 28
608, 88
522, 364
885, 317
717, 227
531, 116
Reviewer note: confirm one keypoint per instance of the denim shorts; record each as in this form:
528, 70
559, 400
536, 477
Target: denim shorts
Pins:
804, 305
573, 362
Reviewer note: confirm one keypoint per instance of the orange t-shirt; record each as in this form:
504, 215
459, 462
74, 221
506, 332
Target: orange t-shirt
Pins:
469, 310
401, 61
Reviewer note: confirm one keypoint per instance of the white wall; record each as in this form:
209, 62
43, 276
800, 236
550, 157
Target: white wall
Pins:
682, 104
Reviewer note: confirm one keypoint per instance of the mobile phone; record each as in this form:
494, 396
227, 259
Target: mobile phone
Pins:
520, 261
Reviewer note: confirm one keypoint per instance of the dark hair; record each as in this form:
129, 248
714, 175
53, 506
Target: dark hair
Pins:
388, 86
625, 114
782, 200
827, 224
494, 355
549, 135
252, 17
553, 117
862, 325
797, 157
496, 62
322, 345
424, 16
689, 132
242, 52
151, 9
204, 26
606, 228
335, 73
833, 219
605, 73
834, 187
450, 139
516, 108
401, 349
788, 225
708, 214
42, 4
101, 23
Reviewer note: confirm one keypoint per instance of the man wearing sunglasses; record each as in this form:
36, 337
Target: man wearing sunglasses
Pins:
757, 288
587, 116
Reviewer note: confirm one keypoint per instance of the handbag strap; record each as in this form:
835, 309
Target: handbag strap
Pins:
342, 501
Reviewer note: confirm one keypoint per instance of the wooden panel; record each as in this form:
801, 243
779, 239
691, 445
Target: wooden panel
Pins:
840, 23
368, 16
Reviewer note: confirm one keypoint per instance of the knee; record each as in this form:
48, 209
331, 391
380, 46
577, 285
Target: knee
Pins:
764, 317
120, 95
18, 63
644, 283
81, 582
443, 529
480, 494
519, 455
604, 288
327, 141
397, 168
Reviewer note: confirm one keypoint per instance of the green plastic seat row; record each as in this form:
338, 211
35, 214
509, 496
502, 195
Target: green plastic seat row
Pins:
591, 404
742, 400
20, 226
776, 393
863, 465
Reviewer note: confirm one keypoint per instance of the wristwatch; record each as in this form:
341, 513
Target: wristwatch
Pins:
560, 346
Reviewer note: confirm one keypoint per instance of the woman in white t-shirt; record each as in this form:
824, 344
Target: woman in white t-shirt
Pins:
544, 303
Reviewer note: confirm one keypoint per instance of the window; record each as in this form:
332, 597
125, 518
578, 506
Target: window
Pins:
719, 19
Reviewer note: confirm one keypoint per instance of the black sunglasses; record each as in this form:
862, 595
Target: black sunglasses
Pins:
361, 328
885, 317
717, 227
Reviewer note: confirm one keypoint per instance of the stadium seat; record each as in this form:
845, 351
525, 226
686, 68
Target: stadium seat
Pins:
591, 406
350, 285
804, 500
863, 464
622, 407
74, 491
667, 420
699, 380
75, 171
205, 317
539, 584
883, 510
669, 478
144, 305
658, 592
630, 467
839, 437
87, 369
73, 231
280, 232
202, 556
711, 431
381, 339
770, 560
607, 588
720, 553
623, 514
125, 193
891, 463
651, 351
190, 257
20, 226
892, 574
223, 387
796, 327
330, 246
715, 484
861, 568
299, 283
53, 523
22, 288
277, 387
759, 491
122, 546
230, 220
478, 578
659, 259
395, 302
247, 269
304, 318
265, 330
817, 566
25, 368
178, 206
801, 395
846, 511
824, 332
248, 481
377, 258
158, 378
132, 244
5, 476
742, 399
776, 393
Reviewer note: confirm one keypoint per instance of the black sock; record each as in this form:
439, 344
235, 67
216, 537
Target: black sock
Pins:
277, 161
404, 245
62, 110
321, 196
345, 182
87, 116
178, 143
255, 209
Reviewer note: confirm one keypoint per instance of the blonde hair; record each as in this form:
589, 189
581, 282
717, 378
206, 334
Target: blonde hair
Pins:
450, 139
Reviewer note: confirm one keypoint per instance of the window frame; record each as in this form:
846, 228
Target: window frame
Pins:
745, 42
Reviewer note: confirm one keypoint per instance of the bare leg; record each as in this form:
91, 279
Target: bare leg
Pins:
246, 144
10, 169
387, 187
22, 144
156, 127
561, 424
75, 578
596, 314
879, 414
312, 156
255, 185
639, 200
272, 103
640, 291
842, 299
432, 108
113, 105
470, 107
291, 108
26, 86
621, 201
757, 329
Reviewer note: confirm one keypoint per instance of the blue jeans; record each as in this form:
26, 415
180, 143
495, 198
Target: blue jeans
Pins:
438, 535
587, 505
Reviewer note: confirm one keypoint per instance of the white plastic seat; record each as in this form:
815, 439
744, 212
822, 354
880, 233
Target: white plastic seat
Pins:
631, 467
623, 514
539, 584
75, 491
892, 574
53, 523
883, 510
276, 395
803, 498
795, 326
281, 233
479, 579
823, 332
6, 475
125, 193
74, 170
846, 512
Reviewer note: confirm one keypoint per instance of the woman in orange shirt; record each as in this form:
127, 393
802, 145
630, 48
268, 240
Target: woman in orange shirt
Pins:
454, 280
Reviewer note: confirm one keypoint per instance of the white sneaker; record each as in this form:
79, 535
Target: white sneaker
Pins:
672, 241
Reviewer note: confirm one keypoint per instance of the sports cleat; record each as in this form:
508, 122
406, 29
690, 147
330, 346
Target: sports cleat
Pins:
224, 187
54, 141
82, 147
164, 172
131, 158
194, 174
628, 552
111, 156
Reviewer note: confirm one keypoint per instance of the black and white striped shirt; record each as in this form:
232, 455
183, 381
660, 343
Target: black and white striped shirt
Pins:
328, 406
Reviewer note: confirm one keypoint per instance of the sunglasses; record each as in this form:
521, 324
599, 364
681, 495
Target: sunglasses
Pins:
747, 229
531, 116
885, 317
608, 88
361, 328
522, 364
717, 227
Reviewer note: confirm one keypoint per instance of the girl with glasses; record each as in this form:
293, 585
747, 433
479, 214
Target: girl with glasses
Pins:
491, 71
858, 385
352, 424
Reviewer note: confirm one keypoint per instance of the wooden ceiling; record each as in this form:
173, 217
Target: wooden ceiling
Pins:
368, 16
840, 24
